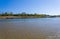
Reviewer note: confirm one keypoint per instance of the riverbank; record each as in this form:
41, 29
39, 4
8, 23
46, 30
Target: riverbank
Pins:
13, 17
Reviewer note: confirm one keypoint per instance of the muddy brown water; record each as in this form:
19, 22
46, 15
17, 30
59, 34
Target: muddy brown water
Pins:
29, 28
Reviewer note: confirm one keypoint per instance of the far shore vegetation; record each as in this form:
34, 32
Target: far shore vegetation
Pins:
23, 15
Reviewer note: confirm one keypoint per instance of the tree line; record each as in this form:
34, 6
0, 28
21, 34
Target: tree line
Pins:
23, 14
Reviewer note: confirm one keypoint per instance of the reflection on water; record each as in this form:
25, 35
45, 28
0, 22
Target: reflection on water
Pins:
30, 28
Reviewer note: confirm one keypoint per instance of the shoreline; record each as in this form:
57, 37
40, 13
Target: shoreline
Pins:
15, 17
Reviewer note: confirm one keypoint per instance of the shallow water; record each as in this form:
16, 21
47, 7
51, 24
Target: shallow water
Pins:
29, 28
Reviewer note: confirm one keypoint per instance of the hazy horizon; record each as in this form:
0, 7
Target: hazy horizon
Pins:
51, 7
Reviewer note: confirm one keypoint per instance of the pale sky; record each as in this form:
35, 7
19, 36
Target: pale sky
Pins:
51, 7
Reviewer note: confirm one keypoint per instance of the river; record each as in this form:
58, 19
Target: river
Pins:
30, 28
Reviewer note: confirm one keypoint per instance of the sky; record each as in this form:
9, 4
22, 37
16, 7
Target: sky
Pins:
51, 7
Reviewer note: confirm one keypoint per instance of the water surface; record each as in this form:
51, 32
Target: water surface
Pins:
29, 28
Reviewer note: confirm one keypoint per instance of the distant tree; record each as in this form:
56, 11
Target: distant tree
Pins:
23, 14
4, 14
11, 14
